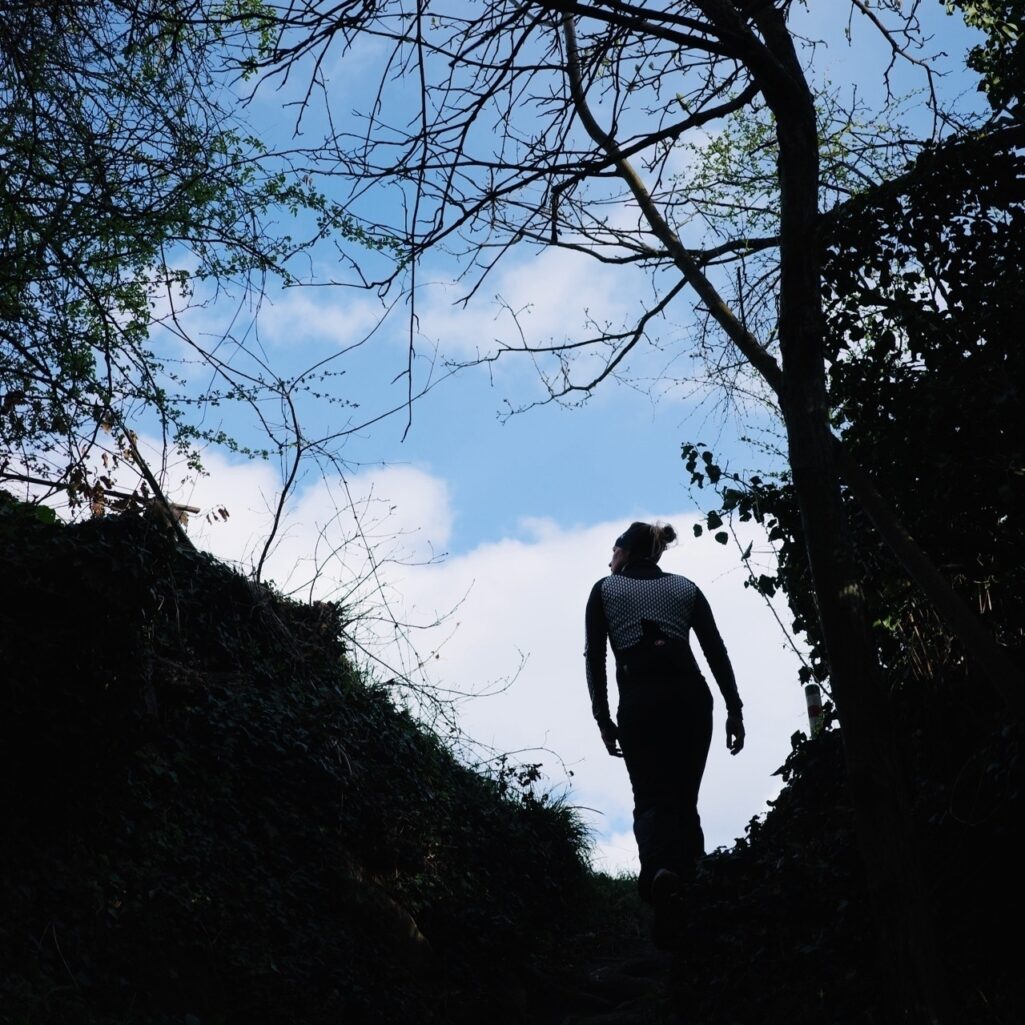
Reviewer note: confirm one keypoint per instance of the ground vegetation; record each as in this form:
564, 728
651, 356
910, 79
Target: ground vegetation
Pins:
211, 816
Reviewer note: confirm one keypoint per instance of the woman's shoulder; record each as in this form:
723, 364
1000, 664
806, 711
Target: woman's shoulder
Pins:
681, 584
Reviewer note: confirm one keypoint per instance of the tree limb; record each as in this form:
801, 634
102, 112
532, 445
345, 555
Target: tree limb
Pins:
991, 657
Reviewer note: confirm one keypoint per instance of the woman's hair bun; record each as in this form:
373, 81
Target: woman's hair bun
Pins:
662, 535
646, 540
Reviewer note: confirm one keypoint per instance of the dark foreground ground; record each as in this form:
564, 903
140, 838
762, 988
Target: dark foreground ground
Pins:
209, 817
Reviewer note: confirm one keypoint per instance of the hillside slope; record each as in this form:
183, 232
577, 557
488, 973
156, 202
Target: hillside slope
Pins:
209, 817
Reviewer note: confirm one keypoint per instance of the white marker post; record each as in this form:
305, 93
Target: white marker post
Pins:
813, 695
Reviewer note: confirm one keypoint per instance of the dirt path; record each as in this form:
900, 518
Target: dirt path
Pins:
627, 987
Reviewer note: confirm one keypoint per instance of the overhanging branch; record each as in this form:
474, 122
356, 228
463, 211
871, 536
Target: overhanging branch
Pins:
990, 656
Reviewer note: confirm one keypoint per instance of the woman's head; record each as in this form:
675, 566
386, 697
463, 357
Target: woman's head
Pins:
641, 541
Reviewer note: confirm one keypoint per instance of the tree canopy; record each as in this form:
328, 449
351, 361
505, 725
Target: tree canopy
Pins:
132, 190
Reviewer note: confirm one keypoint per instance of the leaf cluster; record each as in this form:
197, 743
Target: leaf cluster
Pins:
133, 193
925, 377
1000, 58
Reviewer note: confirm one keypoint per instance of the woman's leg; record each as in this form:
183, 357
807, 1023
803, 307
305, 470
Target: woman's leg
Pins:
665, 731
649, 736
696, 738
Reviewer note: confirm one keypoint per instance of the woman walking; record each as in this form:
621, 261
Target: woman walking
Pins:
663, 725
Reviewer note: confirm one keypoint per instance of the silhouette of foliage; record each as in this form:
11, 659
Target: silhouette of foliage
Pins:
778, 928
208, 813
925, 377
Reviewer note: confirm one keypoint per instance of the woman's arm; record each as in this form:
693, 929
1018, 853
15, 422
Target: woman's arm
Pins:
596, 632
722, 669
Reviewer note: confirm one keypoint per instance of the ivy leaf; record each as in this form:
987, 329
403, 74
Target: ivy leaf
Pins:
722, 537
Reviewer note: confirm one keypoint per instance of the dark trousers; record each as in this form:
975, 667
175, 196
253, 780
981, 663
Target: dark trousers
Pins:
665, 729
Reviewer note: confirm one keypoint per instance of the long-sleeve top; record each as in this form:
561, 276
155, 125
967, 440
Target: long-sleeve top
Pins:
617, 610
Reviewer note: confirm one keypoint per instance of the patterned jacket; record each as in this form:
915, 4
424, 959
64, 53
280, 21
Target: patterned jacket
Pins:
643, 605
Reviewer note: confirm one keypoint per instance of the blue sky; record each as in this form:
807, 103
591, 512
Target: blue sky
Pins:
525, 509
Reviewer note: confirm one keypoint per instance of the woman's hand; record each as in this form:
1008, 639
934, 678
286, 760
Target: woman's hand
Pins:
609, 736
734, 733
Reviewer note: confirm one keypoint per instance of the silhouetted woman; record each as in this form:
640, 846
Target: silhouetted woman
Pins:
664, 720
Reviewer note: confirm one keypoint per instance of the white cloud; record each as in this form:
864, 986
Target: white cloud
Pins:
332, 530
617, 854
548, 296
524, 596
528, 594
302, 314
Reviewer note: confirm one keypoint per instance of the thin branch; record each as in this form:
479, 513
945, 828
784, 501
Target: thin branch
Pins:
759, 358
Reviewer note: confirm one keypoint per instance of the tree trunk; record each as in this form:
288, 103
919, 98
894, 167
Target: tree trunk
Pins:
876, 777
